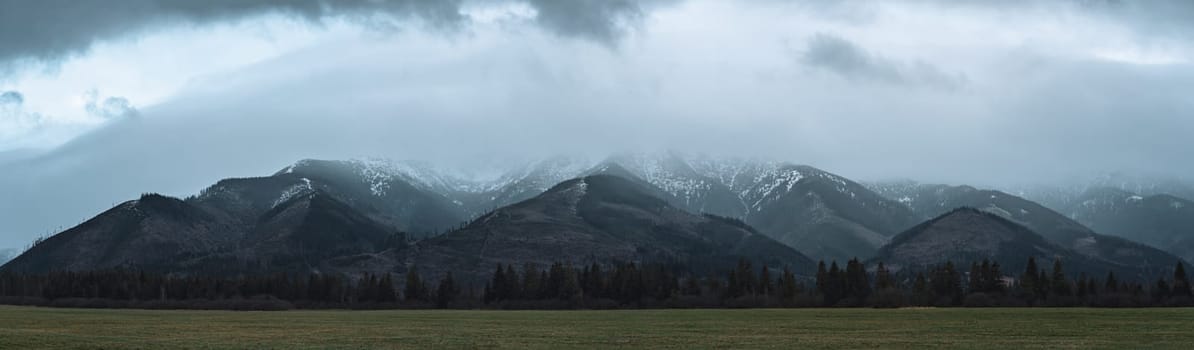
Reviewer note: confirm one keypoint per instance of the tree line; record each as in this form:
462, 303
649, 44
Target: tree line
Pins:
620, 285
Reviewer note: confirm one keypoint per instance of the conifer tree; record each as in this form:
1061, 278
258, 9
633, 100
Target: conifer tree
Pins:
1081, 286
385, 289
414, 285
858, 286
1043, 285
1061, 285
746, 277
569, 285
497, 285
1181, 282
1111, 285
822, 278
1028, 281
446, 293
975, 280
993, 277
692, 286
834, 284
920, 289
512, 283
883, 279
766, 285
530, 282
733, 285
1161, 290
788, 287
594, 283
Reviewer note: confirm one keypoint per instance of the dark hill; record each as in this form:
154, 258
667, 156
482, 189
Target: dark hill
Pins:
934, 200
1160, 220
153, 233
967, 235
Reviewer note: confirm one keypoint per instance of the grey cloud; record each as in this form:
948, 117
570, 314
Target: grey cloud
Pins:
847, 59
46, 31
12, 109
1163, 17
1149, 17
109, 108
600, 20
11, 98
15, 119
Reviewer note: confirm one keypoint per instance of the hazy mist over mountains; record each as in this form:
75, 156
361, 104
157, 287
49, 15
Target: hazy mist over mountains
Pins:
104, 107
65, 198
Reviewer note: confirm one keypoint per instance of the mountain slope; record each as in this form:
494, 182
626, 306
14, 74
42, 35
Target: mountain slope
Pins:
689, 189
531, 180
313, 228
966, 235
419, 204
601, 218
933, 200
152, 233
828, 216
1162, 221
824, 215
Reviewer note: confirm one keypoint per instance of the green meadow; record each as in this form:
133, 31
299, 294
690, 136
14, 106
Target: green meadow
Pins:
915, 328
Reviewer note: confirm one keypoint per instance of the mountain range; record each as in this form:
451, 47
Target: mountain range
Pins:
934, 200
697, 211
1159, 220
969, 234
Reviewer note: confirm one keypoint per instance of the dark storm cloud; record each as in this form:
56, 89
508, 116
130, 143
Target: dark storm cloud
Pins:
46, 31
599, 20
842, 57
49, 30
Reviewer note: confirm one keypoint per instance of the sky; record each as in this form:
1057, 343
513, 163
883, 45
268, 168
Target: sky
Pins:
103, 100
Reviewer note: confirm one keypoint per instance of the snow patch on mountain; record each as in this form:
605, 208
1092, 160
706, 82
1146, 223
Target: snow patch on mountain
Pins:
298, 189
769, 181
542, 175
669, 172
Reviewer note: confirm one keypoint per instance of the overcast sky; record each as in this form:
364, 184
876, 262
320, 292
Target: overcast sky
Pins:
103, 100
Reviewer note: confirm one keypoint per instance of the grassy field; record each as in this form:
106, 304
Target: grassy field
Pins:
29, 328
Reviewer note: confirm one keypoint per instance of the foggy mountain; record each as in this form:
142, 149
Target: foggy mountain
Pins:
382, 216
971, 235
935, 200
